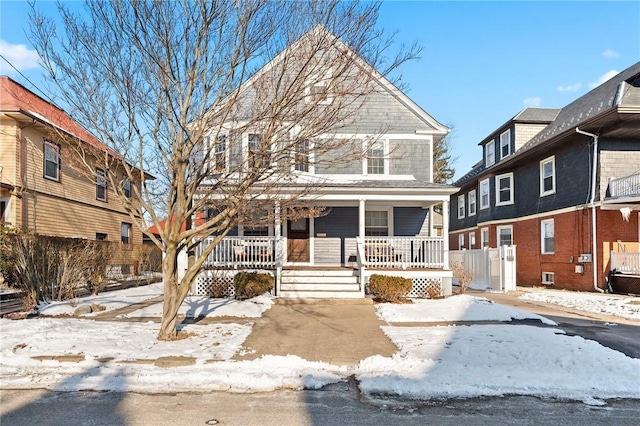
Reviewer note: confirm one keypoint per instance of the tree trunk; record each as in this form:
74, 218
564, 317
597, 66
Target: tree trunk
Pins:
172, 300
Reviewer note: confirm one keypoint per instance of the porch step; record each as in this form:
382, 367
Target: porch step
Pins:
321, 294
320, 283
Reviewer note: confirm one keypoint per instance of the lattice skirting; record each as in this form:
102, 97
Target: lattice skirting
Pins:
215, 284
426, 287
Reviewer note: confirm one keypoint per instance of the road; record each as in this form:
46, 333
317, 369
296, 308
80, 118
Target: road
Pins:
333, 406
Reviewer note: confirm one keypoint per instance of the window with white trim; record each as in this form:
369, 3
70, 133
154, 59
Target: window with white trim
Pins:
460, 241
548, 176
125, 233
51, 161
220, 154
548, 278
472, 240
490, 153
5, 212
484, 237
101, 185
504, 235
547, 237
472, 202
461, 206
301, 159
375, 158
485, 197
504, 189
318, 88
505, 144
259, 152
126, 187
376, 223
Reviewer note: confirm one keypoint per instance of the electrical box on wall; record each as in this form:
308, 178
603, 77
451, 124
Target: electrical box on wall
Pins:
579, 269
584, 258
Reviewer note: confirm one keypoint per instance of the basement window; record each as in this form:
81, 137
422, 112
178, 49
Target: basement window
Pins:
548, 278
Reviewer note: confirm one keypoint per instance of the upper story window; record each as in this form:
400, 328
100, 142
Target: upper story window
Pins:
51, 161
301, 159
485, 197
490, 153
259, 152
376, 223
220, 154
472, 202
504, 189
547, 238
461, 206
375, 158
548, 176
126, 187
505, 144
318, 88
101, 185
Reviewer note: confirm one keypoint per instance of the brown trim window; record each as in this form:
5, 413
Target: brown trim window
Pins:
101, 185
125, 233
51, 166
126, 187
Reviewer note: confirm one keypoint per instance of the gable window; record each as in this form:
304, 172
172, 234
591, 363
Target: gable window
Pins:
485, 198
505, 235
472, 240
484, 237
301, 159
490, 153
548, 176
51, 161
125, 233
472, 202
547, 238
376, 223
317, 90
460, 241
505, 144
259, 154
220, 154
504, 189
461, 206
126, 187
101, 185
375, 158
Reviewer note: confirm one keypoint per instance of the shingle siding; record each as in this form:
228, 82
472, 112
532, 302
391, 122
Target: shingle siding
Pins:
410, 157
618, 158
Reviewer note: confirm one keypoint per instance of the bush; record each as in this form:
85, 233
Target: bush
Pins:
389, 289
251, 284
464, 276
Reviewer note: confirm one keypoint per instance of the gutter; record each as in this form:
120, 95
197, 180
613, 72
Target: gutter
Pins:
594, 228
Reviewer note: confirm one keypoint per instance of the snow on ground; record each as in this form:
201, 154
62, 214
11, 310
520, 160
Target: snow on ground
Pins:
458, 308
609, 304
453, 361
199, 306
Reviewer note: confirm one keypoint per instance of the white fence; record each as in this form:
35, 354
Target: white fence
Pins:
493, 268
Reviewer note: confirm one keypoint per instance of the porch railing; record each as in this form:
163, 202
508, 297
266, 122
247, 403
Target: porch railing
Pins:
240, 252
404, 252
625, 187
627, 263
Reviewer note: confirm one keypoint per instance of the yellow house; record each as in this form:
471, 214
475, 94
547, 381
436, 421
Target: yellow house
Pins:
44, 187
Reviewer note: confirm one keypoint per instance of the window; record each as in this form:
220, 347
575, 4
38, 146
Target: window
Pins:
220, 154
101, 236
126, 187
548, 278
472, 202
376, 223
505, 144
547, 238
259, 153
490, 153
4, 210
101, 185
504, 189
505, 235
125, 233
302, 155
256, 231
460, 241
318, 90
51, 161
375, 158
484, 237
485, 198
547, 176
472, 240
461, 206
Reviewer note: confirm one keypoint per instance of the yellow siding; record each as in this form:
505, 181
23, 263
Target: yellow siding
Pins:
8, 152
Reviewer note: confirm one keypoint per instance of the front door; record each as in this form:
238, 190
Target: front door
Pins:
298, 240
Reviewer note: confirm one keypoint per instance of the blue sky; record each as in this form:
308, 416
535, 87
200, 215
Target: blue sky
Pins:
482, 62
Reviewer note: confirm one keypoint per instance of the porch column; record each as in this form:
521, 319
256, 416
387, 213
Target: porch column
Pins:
279, 247
431, 228
361, 210
445, 233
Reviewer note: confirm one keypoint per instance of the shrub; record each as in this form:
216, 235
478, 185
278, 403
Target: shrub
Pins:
389, 289
251, 284
464, 276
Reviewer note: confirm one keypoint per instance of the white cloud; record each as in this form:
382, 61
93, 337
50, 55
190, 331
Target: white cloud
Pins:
19, 55
604, 77
610, 53
569, 88
533, 101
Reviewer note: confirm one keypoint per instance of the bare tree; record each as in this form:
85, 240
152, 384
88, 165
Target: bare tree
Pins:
172, 87
443, 170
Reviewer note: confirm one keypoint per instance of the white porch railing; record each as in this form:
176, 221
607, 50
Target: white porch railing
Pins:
404, 252
625, 187
627, 263
240, 252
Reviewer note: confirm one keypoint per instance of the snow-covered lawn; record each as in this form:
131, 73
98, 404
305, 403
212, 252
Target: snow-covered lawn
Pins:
432, 362
609, 304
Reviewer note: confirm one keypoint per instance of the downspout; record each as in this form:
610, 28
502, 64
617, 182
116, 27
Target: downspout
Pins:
594, 240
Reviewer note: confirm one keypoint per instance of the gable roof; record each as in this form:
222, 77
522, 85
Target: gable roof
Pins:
529, 115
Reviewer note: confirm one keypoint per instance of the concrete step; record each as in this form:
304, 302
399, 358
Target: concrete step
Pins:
321, 294
318, 280
315, 286
319, 273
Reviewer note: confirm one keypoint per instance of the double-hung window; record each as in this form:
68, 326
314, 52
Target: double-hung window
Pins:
259, 153
301, 156
485, 198
504, 189
375, 158
547, 238
51, 161
126, 187
376, 223
505, 144
548, 176
472, 240
318, 90
472, 202
484, 237
460, 241
490, 153
101, 185
220, 154
125, 233
461, 206
505, 235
